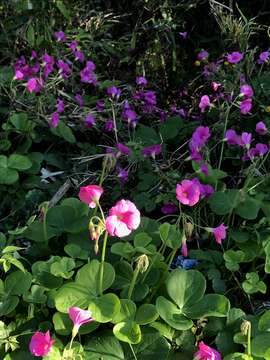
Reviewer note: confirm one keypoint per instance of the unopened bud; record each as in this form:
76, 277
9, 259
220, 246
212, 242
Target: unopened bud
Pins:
189, 229
142, 263
246, 325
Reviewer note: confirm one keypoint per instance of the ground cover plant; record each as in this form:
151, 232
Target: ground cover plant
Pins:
134, 174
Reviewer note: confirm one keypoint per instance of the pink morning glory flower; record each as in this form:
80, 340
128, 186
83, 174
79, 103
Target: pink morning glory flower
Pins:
123, 218
40, 344
261, 128
204, 103
188, 192
246, 90
245, 106
235, 57
90, 195
79, 317
219, 233
205, 352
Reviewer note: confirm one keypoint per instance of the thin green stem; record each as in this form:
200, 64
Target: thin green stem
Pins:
103, 171
114, 123
133, 353
102, 262
44, 223
133, 281
249, 341
224, 132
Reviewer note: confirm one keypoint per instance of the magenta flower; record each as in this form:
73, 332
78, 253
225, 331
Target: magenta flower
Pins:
204, 103
123, 218
245, 106
123, 149
64, 69
141, 81
219, 233
100, 105
79, 317
60, 36
205, 352
235, 57
169, 208
122, 175
200, 137
150, 98
79, 55
90, 121
202, 55
90, 195
19, 75
261, 128
79, 99
215, 85
40, 344
232, 138
60, 106
246, 90
204, 169
261, 149
183, 35
113, 92
109, 125
188, 192
245, 139
152, 150
88, 76
263, 57
184, 249
55, 119
34, 85
33, 54
73, 45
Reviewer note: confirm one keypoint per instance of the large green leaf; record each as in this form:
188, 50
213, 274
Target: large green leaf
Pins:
147, 313
128, 331
72, 294
127, 311
222, 203
186, 287
88, 276
104, 308
248, 208
105, 346
8, 176
19, 162
170, 235
210, 305
170, 129
17, 283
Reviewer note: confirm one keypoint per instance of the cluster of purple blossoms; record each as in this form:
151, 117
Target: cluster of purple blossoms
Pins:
113, 92
198, 140
60, 108
128, 114
235, 57
87, 73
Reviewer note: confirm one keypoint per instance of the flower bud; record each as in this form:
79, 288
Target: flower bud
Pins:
142, 263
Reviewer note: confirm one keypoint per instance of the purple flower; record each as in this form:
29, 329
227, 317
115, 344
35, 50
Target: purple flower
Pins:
245, 106
204, 103
79, 55
113, 91
183, 35
60, 106
150, 98
123, 149
202, 55
34, 85
109, 125
247, 91
261, 128
79, 99
169, 208
87, 74
141, 81
90, 121
100, 105
128, 113
231, 137
64, 69
73, 45
19, 75
245, 139
206, 190
234, 57
261, 149
204, 169
60, 36
152, 150
263, 57
122, 175
200, 136
55, 120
